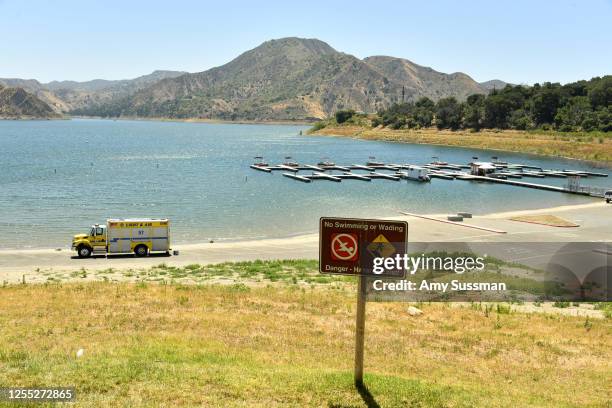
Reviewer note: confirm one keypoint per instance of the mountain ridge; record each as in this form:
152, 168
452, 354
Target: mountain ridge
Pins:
17, 103
65, 96
281, 79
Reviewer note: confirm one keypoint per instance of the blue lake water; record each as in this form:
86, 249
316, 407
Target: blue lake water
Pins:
59, 177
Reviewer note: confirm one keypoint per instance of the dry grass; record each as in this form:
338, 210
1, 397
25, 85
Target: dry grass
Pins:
544, 219
571, 145
175, 345
252, 273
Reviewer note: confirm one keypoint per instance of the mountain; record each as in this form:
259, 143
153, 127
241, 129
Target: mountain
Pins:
288, 79
424, 81
285, 79
103, 84
282, 79
18, 103
494, 84
36, 88
64, 96
78, 95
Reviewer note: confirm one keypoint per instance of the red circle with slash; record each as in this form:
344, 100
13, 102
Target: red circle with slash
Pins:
344, 247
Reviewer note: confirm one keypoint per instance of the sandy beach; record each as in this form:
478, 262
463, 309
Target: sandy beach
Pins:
594, 220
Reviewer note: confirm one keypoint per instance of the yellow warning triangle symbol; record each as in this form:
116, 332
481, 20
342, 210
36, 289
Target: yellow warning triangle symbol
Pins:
381, 238
381, 247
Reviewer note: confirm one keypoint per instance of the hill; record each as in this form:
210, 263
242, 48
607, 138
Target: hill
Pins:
494, 84
65, 96
18, 103
288, 79
39, 90
78, 95
285, 79
425, 81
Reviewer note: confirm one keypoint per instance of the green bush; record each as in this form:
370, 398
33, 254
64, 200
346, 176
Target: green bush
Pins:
344, 115
318, 126
579, 106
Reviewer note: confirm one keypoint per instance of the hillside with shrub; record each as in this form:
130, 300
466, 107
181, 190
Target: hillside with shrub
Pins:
16, 103
582, 106
572, 120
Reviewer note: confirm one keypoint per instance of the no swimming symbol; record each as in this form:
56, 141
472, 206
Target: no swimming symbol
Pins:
344, 247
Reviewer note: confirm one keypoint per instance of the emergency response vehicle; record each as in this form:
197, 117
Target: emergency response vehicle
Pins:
120, 236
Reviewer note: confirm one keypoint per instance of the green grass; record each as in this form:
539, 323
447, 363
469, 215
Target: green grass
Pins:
150, 344
296, 272
606, 307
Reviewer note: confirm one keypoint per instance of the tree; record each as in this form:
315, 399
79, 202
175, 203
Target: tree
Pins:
546, 102
520, 119
590, 121
473, 112
423, 117
604, 117
425, 103
448, 114
344, 115
582, 105
600, 92
570, 116
497, 108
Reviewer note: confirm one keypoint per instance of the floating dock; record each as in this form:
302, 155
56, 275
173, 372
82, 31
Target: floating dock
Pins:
360, 167
355, 176
296, 177
500, 173
311, 167
324, 176
289, 168
377, 175
261, 168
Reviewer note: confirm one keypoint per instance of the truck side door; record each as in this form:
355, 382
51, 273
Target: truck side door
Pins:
99, 237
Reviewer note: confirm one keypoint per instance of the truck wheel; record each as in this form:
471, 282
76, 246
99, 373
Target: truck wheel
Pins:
84, 251
141, 250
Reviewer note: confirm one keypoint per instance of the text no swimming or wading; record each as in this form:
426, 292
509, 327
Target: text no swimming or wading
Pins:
348, 246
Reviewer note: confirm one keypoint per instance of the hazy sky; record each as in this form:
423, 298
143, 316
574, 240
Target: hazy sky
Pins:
515, 40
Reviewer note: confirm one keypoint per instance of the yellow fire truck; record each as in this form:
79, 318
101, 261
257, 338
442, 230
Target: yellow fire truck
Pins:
140, 236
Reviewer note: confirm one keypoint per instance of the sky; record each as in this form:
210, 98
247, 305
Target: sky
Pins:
514, 40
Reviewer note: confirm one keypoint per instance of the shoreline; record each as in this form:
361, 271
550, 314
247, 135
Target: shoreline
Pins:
39, 265
31, 118
198, 120
436, 138
309, 235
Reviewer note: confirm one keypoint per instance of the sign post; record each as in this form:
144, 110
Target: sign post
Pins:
360, 330
348, 246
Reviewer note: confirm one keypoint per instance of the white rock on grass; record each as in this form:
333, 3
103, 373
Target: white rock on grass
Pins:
413, 311
80, 353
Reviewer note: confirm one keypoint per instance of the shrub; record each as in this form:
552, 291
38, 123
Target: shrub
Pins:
344, 115
318, 126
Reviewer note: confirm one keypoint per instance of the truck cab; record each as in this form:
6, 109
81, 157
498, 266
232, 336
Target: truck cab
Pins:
94, 240
608, 196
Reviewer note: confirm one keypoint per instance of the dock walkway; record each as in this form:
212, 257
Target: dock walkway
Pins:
439, 170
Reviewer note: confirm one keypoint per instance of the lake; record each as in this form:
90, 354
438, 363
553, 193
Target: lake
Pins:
59, 177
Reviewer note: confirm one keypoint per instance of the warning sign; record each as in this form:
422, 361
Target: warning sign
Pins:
381, 247
349, 245
344, 247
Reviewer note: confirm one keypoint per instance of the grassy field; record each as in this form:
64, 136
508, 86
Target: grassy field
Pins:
594, 146
282, 343
297, 271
